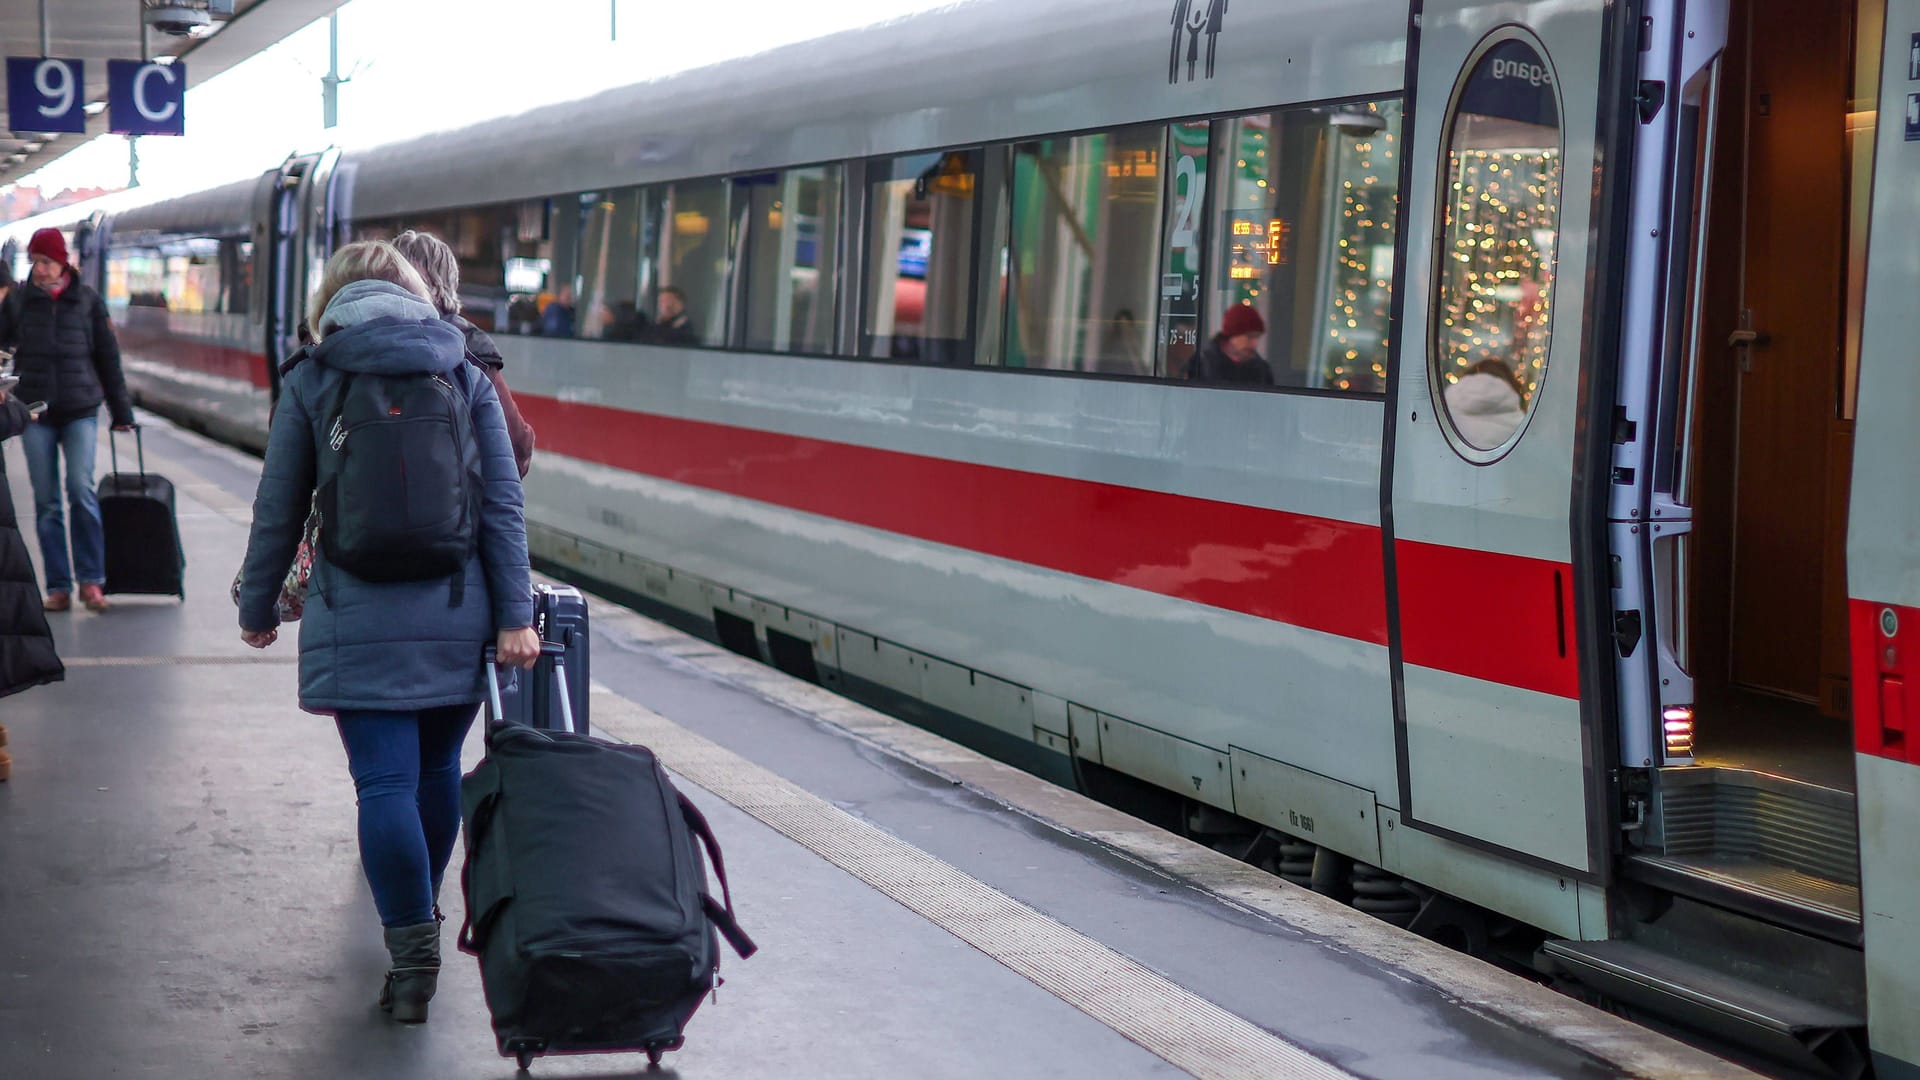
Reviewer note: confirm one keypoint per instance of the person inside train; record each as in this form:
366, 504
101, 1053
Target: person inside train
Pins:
397, 664
1487, 404
556, 319
1233, 356
441, 271
66, 356
671, 326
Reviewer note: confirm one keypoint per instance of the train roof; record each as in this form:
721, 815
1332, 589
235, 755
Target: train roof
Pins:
977, 71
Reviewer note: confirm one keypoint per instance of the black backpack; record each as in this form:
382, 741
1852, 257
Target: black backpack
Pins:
399, 478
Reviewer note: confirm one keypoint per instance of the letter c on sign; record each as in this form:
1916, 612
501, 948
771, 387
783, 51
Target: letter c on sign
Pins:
153, 115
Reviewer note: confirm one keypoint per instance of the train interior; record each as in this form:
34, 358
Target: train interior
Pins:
1759, 833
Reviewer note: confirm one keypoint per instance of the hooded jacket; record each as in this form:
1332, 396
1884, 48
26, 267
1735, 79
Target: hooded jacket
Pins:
27, 657
398, 646
64, 351
1485, 410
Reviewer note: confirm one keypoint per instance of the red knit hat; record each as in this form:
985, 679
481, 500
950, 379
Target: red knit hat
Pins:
50, 243
1242, 319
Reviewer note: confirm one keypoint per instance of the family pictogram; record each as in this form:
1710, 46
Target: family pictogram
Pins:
1192, 18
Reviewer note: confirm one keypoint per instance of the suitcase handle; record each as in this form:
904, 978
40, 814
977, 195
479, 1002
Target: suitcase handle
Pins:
491, 657
140, 444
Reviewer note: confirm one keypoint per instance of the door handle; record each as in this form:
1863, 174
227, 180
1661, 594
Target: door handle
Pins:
1740, 339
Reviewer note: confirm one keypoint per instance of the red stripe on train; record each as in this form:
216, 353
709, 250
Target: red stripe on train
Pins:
1886, 679
1502, 618
1480, 614
158, 345
1313, 572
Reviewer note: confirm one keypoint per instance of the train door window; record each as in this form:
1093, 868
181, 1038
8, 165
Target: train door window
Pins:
687, 262
1085, 251
922, 241
1182, 246
236, 272
1302, 207
1499, 220
792, 266
609, 301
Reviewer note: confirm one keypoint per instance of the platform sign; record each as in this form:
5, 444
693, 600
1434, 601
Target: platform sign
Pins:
146, 98
46, 95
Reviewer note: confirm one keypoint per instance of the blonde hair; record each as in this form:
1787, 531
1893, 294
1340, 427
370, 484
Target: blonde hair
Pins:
363, 260
437, 265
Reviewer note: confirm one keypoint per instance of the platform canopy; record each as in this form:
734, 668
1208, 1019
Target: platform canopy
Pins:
97, 31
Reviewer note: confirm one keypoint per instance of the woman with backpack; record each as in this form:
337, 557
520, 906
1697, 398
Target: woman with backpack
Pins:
402, 597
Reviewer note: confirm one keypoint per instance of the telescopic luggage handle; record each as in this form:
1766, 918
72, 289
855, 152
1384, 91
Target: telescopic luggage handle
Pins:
547, 648
139, 443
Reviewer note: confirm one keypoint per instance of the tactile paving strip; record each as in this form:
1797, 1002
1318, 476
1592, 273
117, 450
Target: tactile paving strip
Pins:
1179, 1026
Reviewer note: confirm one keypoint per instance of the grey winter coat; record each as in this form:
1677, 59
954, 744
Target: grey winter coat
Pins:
385, 646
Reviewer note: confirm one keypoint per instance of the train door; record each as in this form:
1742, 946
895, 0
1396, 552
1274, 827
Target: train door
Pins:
1518, 110
1733, 479
1883, 553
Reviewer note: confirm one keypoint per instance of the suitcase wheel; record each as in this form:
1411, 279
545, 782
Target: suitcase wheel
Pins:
654, 1054
525, 1058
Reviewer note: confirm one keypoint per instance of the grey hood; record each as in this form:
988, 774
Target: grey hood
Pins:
382, 329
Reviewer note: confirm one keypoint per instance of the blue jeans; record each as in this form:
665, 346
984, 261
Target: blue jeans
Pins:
406, 769
44, 443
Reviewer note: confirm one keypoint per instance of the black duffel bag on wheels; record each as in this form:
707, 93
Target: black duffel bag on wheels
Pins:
585, 891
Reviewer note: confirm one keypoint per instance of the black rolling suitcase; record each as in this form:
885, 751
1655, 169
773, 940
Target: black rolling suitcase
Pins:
586, 896
533, 697
142, 528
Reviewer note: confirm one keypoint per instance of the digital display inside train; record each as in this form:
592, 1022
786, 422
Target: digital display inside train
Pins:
1256, 242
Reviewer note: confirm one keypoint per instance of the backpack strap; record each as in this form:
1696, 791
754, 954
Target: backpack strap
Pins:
721, 913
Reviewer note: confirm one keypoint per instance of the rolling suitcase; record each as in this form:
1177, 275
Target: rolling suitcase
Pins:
586, 896
532, 697
142, 528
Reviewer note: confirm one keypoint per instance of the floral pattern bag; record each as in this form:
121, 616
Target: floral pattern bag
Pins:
292, 602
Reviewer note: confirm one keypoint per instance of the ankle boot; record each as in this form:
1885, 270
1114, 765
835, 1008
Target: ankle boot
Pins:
416, 971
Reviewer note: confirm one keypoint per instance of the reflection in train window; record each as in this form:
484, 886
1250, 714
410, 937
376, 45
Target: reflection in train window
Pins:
609, 300
1183, 246
920, 272
792, 264
1499, 210
1302, 210
688, 262
1086, 228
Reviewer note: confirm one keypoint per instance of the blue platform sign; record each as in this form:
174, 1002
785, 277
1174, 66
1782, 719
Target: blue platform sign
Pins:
146, 98
46, 95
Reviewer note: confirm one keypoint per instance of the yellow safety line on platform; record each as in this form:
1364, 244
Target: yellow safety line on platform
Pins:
1179, 1026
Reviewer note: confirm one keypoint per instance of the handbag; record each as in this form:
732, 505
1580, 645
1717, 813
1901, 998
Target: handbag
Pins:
292, 601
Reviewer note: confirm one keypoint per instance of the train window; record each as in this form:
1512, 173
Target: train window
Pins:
1499, 218
610, 245
1182, 250
506, 254
920, 259
1085, 251
687, 260
1300, 248
792, 265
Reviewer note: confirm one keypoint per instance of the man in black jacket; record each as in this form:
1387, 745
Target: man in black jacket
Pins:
66, 356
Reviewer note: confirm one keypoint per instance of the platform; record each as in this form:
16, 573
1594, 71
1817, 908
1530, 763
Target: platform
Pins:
180, 894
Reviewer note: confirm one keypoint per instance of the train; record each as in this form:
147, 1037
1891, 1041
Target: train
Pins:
1543, 584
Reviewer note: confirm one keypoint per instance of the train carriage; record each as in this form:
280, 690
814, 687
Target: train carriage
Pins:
1511, 601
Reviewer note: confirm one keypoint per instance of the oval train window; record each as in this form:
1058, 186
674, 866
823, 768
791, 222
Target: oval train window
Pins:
1499, 219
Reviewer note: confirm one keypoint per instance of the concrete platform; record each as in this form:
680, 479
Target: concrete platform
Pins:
180, 893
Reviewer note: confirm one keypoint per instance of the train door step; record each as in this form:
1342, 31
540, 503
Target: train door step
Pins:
1767, 846
1812, 1034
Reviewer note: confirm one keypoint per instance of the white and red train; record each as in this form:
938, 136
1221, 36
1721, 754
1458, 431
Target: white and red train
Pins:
1550, 590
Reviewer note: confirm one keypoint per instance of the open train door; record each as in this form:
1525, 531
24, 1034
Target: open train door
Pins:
1493, 527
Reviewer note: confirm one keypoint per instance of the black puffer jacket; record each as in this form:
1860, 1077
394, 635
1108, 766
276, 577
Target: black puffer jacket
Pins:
64, 351
26, 644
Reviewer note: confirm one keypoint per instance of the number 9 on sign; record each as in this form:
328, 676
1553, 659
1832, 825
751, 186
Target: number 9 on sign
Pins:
45, 94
